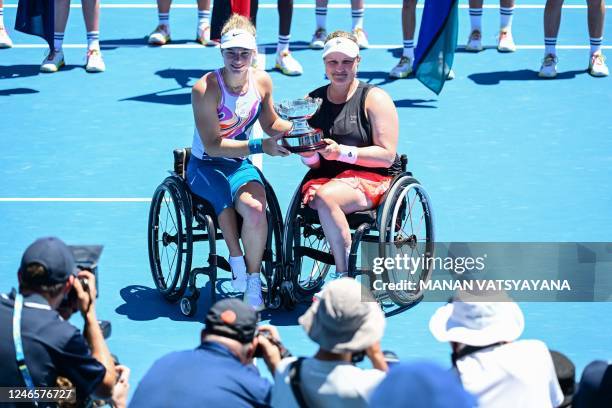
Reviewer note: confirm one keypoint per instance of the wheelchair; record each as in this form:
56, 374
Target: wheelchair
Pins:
402, 222
178, 219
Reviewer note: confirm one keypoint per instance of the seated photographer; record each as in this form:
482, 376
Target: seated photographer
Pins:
360, 126
51, 346
219, 373
346, 329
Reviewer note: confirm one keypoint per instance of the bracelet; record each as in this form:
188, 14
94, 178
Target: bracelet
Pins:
255, 146
314, 159
348, 154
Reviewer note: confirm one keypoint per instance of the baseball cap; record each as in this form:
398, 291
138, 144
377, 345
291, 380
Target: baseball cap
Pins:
343, 45
54, 255
232, 318
238, 38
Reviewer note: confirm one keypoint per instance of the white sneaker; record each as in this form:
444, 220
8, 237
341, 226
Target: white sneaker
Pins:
5, 40
318, 39
549, 67
597, 65
287, 64
362, 38
160, 36
95, 63
53, 62
505, 42
403, 68
203, 36
474, 43
239, 280
252, 295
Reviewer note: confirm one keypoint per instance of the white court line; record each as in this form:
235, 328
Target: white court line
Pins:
312, 6
293, 47
73, 200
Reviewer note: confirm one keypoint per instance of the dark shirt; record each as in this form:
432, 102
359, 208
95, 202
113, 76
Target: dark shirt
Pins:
347, 124
209, 376
52, 347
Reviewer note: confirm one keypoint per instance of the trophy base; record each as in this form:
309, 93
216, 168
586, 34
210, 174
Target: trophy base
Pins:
305, 149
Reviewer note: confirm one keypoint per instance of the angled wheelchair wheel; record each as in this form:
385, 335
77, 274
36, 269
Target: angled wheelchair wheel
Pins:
406, 228
300, 240
273, 265
170, 238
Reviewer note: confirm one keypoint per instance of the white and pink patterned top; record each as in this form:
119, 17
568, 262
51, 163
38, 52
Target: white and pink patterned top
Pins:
237, 114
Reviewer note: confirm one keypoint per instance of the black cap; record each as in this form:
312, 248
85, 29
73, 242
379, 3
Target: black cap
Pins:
232, 318
54, 255
595, 388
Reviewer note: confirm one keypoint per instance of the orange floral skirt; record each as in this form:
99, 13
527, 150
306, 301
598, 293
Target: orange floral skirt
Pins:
373, 185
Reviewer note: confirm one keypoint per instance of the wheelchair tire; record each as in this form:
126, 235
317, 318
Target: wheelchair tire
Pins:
307, 274
273, 265
406, 222
170, 238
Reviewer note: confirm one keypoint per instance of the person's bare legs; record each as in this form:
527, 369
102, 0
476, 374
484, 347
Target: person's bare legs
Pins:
475, 39
408, 19
333, 201
596, 16
203, 26
552, 22
229, 228
161, 34
404, 67
251, 205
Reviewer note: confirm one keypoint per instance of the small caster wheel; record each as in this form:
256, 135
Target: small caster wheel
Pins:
275, 302
188, 306
287, 296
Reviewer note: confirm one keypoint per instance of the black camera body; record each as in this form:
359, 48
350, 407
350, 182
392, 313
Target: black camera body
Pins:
283, 350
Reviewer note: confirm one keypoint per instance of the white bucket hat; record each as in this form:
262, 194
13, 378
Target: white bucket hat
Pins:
342, 321
474, 321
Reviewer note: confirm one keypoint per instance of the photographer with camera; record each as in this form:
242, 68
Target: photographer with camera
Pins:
37, 344
347, 325
220, 372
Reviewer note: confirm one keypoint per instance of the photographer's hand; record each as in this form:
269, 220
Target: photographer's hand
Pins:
376, 356
120, 392
271, 353
93, 332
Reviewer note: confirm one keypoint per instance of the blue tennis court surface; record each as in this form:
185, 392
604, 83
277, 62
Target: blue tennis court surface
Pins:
503, 155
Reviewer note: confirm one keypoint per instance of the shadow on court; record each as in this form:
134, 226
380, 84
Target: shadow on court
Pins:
184, 78
494, 78
17, 91
415, 103
24, 71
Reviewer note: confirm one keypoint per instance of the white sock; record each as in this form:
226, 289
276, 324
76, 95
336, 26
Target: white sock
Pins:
253, 275
1, 16
476, 19
505, 18
93, 40
550, 45
283, 43
238, 266
58, 40
164, 19
321, 16
596, 44
408, 49
358, 18
203, 17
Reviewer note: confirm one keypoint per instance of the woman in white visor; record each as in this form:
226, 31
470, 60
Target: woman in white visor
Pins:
360, 125
226, 104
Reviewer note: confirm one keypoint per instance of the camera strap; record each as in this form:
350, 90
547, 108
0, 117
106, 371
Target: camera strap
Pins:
23, 368
295, 381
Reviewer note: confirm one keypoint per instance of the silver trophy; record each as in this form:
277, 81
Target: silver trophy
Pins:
301, 138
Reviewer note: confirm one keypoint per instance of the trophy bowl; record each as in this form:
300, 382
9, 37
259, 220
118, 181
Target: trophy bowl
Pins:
301, 138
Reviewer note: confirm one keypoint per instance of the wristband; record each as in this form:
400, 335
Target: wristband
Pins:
314, 159
255, 146
348, 154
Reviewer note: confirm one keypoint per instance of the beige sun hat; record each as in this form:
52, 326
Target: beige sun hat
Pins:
346, 319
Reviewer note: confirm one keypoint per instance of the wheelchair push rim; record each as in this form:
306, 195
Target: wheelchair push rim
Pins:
170, 239
407, 229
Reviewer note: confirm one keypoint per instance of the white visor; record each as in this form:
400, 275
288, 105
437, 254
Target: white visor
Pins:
238, 38
343, 45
